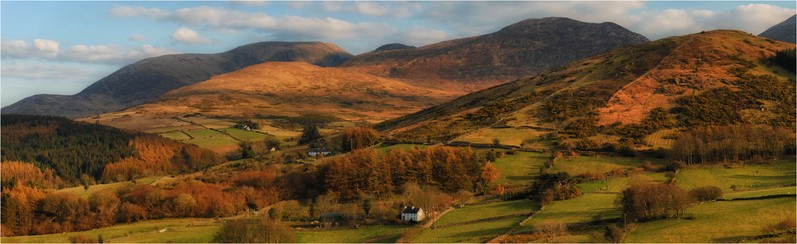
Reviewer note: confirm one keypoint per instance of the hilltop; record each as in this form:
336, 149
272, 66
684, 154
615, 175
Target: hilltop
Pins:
784, 31
147, 79
278, 90
469, 64
710, 78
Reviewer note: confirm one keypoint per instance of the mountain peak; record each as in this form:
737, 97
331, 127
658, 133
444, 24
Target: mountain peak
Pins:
784, 31
393, 46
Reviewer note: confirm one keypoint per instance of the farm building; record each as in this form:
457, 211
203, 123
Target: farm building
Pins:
412, 214
318, 151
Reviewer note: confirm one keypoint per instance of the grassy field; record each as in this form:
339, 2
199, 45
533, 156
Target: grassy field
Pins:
245, 135
618, 184
384, 148
762, 192
523, 167
482, 211
717, 222
174, 230
82, 192
778, 173
593, 164
507, 136
210, 139
581, 209
475, 232
176, 135
372, 234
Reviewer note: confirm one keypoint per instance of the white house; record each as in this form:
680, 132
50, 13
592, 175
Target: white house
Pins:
412, 214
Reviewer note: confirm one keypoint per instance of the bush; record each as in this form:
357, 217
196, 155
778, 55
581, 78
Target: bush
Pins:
706, 193
614, 233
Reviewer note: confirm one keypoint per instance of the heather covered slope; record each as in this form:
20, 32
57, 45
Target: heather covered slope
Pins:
717, 77
147, 79
784, 31
287, 89
469, 64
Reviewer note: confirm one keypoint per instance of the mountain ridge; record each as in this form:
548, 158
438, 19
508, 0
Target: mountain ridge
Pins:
785, 31
473, 63
146, 79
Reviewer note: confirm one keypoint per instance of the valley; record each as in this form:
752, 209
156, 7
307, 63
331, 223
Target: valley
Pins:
547, 130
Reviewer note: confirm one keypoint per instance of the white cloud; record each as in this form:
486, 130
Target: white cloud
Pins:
252, 3
42, 71
136, 38
370, 8
186, 35
418, 36
105, 54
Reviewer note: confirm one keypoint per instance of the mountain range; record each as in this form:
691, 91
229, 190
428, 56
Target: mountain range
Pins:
147, 79
469, 64
450, 67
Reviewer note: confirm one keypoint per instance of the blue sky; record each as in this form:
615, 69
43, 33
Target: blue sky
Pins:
62, 47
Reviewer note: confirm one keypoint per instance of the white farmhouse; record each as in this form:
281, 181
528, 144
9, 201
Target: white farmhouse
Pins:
412, 214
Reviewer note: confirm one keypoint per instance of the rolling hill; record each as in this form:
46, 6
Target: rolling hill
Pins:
717, 77
469, 64
278, 90
784, 31
147, 79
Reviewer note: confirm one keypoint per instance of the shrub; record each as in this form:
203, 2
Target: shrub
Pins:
251, 231
706, 193
614, 233
787, 225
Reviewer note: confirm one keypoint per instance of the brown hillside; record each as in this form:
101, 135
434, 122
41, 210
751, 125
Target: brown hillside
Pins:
279, 89
469, 64
706, 78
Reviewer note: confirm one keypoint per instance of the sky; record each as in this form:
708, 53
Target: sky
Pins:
62, 47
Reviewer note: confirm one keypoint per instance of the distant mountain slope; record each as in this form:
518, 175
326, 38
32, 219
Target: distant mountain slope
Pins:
147, 79
287, 89
469, 64
784, 31
716, 77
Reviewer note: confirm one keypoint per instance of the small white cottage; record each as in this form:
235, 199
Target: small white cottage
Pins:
319, 151
412, 214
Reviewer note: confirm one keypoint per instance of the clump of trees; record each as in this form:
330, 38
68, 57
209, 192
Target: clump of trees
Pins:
367, 172
556, 186
310, 134
732, 143
358, 138
642, 202
786, 59
706, 193
262, 230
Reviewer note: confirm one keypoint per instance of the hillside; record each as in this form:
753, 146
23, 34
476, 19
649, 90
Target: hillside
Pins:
469, 64
147, 79
279, 90
784, 31
710, 78
72, 149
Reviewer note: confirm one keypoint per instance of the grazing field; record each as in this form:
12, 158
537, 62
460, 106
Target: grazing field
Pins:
245, 135
618, 184
521, 168
724, 221
83, 193
278, 132
372, 234
506, 136
384, 148
483, 211
777, 173
176, 135
581, 209
593, 164
475, 232
762, 192
210, 139
164, 230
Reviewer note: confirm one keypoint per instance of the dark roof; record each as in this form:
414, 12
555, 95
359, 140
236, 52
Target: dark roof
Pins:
410, 210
